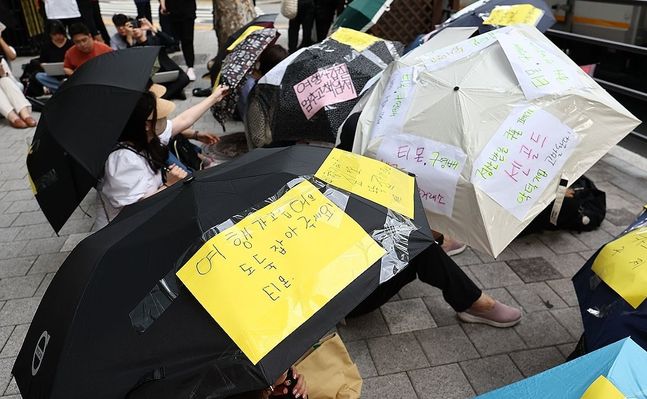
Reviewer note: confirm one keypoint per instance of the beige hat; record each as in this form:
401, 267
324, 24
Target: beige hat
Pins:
164, 107
158, 90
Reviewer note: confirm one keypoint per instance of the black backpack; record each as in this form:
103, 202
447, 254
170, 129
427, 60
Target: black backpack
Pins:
584, 211
185, 151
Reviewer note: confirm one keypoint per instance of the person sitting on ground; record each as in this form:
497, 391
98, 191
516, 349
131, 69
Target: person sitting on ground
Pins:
85, 48
53, 51
133, 171
269, 58
197, 160
433, 266
13, 104
146, 34
120, 40
281, 387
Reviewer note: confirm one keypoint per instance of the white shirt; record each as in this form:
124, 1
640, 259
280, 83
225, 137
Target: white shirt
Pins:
61, 9
127, 179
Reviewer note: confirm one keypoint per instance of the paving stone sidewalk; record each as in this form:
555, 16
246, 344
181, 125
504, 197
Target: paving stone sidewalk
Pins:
413, 346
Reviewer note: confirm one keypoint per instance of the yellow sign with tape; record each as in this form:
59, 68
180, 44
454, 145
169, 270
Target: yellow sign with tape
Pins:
622, 265
370, 179
524, 14
266, 275
602, 388
359, 41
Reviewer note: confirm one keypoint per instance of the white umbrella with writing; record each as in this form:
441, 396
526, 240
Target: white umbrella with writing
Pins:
490, 126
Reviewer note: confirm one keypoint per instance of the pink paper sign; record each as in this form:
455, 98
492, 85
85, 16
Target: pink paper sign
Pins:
327, 86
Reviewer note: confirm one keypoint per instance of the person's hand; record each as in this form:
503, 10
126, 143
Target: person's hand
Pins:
299, 390
146, 24
207, 138
174, 174
220, 93
163, 7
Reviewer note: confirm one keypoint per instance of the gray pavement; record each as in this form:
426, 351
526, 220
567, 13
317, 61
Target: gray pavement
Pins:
413, 346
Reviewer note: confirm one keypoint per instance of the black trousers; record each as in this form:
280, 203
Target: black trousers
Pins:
98, 22
305, 18
174, 88
324, 15
144, 10
182, 27
433, 267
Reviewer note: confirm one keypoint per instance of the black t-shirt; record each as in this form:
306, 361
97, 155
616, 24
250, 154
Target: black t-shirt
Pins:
51, 53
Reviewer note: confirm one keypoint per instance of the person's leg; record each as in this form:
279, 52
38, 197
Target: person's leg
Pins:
48, 81
175, 89
293, 34
471, 304
324, 15
308, 22
434, 267
187, 35
6, 110
148, 12
98, 21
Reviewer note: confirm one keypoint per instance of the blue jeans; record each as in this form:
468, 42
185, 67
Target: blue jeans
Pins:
172, 159
51, 82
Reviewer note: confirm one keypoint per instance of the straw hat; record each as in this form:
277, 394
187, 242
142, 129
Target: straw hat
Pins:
164, 107
158, 90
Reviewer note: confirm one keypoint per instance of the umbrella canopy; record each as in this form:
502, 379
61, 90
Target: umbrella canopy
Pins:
611, 289
477, 13
80, 126
309, 94
490, 126
238, 64
616, 369
360, 15
116, 322
263, 21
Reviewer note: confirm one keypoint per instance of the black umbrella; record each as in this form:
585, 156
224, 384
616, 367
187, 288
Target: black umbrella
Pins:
115, 322
279, 105
80, 126
476, 16
606, 316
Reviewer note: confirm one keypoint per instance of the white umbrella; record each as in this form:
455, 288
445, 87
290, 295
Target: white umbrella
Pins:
490, 126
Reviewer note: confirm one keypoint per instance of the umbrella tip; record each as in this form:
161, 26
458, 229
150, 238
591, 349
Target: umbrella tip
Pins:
456, 88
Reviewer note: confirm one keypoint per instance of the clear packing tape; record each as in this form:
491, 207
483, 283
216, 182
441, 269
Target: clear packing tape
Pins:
392, 238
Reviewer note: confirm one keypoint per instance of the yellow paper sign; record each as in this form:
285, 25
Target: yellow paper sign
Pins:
31, 184
602, 388
242, 37
265, 276
360, 41
369, 178
524, 14
622, 264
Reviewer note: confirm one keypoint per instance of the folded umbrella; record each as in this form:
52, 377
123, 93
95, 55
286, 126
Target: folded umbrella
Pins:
613, 372
80, 125
117, 322
611, 289
490, 126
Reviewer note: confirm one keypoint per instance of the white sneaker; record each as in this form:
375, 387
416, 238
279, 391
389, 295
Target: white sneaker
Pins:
191, 74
